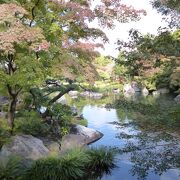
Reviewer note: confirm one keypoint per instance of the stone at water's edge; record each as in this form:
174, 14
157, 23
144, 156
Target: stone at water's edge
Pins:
25, 146
90, 135
32, 148
145, 91
177, 98
73, 93
80, 136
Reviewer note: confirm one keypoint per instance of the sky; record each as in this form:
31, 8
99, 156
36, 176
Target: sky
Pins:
147, 24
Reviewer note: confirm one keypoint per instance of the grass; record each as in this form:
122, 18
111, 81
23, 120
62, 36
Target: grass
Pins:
76, 164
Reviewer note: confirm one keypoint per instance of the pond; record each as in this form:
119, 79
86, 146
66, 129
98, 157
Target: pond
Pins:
142, 154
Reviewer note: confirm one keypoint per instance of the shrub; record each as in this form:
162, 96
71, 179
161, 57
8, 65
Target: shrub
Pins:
102, 160
4, 132
67, 167
30, 123
11, 168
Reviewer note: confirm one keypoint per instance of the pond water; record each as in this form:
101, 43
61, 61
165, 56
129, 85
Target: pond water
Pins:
146, 155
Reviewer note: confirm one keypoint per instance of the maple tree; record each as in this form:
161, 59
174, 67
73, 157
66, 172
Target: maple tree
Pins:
19, 45
41, 38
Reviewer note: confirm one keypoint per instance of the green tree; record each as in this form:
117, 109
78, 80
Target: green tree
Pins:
19, 45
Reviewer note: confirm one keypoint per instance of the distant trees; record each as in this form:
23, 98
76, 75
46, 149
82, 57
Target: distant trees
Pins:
154, 59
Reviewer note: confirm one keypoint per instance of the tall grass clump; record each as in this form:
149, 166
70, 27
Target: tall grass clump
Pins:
67, 167
102, 160
11, 168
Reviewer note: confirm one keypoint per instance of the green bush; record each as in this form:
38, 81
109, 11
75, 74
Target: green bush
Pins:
31, 123
76, 164
102, 160
67, 167
11, 168
4, 132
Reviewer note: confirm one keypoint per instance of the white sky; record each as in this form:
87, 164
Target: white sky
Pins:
147, 24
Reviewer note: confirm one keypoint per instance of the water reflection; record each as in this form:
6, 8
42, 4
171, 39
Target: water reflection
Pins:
152, 155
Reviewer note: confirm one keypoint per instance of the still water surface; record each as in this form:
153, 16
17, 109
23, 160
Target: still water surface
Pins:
101, 118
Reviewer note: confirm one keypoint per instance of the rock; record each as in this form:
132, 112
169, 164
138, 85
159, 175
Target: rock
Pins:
90, 135
53, 146
73, 93
135, 86
79, 136
131, 89
145, 91
71, 141
128, 89
177, 98
25, 146
163, 91
62, 100
91, 95
3, 100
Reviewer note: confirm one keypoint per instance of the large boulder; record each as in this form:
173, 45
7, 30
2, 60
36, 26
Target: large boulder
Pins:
90, 135
25, 146
80, 136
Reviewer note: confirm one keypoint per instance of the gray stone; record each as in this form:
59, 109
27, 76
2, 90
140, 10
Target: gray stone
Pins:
3, 100
73, 93
62, 100
163, 91
71, 141
91, 95
135, 86
131, 88
90, 135
145, 91
177, 98
25, 146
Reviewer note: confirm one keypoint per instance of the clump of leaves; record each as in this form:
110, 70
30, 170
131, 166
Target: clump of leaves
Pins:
75, 164
69, 166
102, 160
29, 122
11, 168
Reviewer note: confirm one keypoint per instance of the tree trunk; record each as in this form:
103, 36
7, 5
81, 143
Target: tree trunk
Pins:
11, 112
